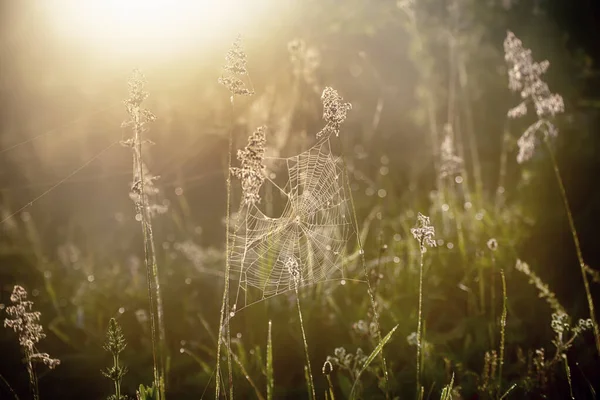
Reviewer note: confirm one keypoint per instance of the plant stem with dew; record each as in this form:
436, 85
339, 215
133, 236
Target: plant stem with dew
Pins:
310, 382
419, 322
225, 301
154, 294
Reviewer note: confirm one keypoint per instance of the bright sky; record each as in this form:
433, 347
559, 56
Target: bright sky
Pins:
155, 28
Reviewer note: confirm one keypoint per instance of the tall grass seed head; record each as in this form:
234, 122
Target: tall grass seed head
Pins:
335, 111
236, 59
526, 144
138, 116
524, 76
136, 83
115, 340
527, 141
115, 344
424, 232
235, 65
235, 85
25, 323
251, 172
560, 324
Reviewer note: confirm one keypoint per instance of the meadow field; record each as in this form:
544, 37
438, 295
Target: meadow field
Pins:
299, 200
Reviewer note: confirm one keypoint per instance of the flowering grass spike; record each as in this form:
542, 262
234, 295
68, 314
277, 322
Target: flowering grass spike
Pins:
524, 76
424, 232
334, 112
251, 172
235, 66
115, 344
25, 323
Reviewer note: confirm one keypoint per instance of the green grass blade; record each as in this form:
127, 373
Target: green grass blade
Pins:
372, 356
270, 380
240, 364
447, 390
309, 386
510, 389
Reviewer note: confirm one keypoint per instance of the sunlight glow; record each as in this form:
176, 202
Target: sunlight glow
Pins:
156, 27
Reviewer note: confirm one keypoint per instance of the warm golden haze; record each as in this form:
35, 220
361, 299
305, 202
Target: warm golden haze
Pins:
149, 27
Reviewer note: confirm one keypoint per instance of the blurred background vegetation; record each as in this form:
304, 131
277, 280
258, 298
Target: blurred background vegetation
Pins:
78, 249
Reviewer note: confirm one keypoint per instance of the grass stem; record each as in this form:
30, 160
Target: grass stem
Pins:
419, 323
582, 265
154, 294
9, 387
502, 332
225, 300
310, 380
370, 291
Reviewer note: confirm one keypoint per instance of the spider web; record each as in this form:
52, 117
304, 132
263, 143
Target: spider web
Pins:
313, 229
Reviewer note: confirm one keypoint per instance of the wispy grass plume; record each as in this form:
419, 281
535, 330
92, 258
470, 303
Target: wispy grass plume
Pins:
525, 77
25, 323
424, 232
234, 70
139, 120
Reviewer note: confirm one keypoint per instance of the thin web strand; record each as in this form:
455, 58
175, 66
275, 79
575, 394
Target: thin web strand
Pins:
59, 183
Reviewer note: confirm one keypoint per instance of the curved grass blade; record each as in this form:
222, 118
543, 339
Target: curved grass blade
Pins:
372, 356
447, 390
510, 389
